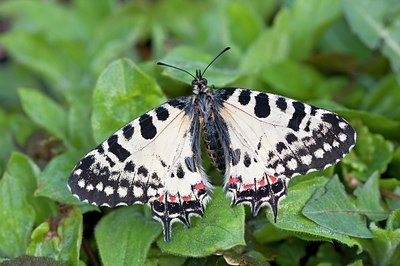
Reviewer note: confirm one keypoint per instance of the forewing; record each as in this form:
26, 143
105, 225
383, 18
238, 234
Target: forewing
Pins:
273, 138
152, 160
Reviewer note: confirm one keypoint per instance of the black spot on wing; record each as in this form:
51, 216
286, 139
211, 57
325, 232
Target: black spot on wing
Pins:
278, 187
114, 147
280, 146
177, 103
307, 127
179, 172
262, 109
297, 117
334, 120
313, 110
143, 170
128, 131
147, 128
271, 155
225, 93
129, 167
155, 177
86, 162
162, 113
290, 138
303, 152
100, 149
247, 160
110, 162
244, 97
281, 104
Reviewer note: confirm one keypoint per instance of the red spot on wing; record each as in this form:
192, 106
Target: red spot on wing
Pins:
233, 180
261, 183
248, 186
172, 198
199, 186
273, 179
161, 198
187, 198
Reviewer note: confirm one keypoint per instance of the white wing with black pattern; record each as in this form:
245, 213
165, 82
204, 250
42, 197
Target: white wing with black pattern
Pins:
273, 138
152, 160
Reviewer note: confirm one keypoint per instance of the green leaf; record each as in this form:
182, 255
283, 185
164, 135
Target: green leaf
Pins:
92, 17
48, 114
376, 24
326, 255
58, 238
17, 215
294, 249
384, 98
304, 83
312, 17
371, 13
12, 77
156, 257
358, 262
393, 202
290, 217
21, 167
59, 23
52, 182
393, 222
80, 130
330, 207
339, 39
15, 128
394, 167
384, 248
368, 199
272, 45
34, 52
284, 40
221, 228
123, 92
191, 59
114, 36
124, 236
371, 153
251, 258
267, 232
244, 23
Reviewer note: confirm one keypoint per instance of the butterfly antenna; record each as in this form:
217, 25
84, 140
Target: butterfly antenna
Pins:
215, 58
171, 66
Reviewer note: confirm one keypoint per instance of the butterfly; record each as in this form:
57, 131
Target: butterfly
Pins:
258, 140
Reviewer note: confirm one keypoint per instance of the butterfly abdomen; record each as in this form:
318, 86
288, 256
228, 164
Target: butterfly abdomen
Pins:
213, 144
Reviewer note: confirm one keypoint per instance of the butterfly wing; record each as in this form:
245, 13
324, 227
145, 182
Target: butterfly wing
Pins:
152, 160
273, 138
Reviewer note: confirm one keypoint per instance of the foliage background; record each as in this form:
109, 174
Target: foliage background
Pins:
72, 72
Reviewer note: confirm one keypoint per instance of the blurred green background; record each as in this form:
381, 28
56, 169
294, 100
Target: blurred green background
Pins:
74, 71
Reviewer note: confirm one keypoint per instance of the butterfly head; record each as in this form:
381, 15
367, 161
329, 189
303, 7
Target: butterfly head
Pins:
199, 84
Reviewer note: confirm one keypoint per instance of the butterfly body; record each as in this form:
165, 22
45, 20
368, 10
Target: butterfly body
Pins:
258, 140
